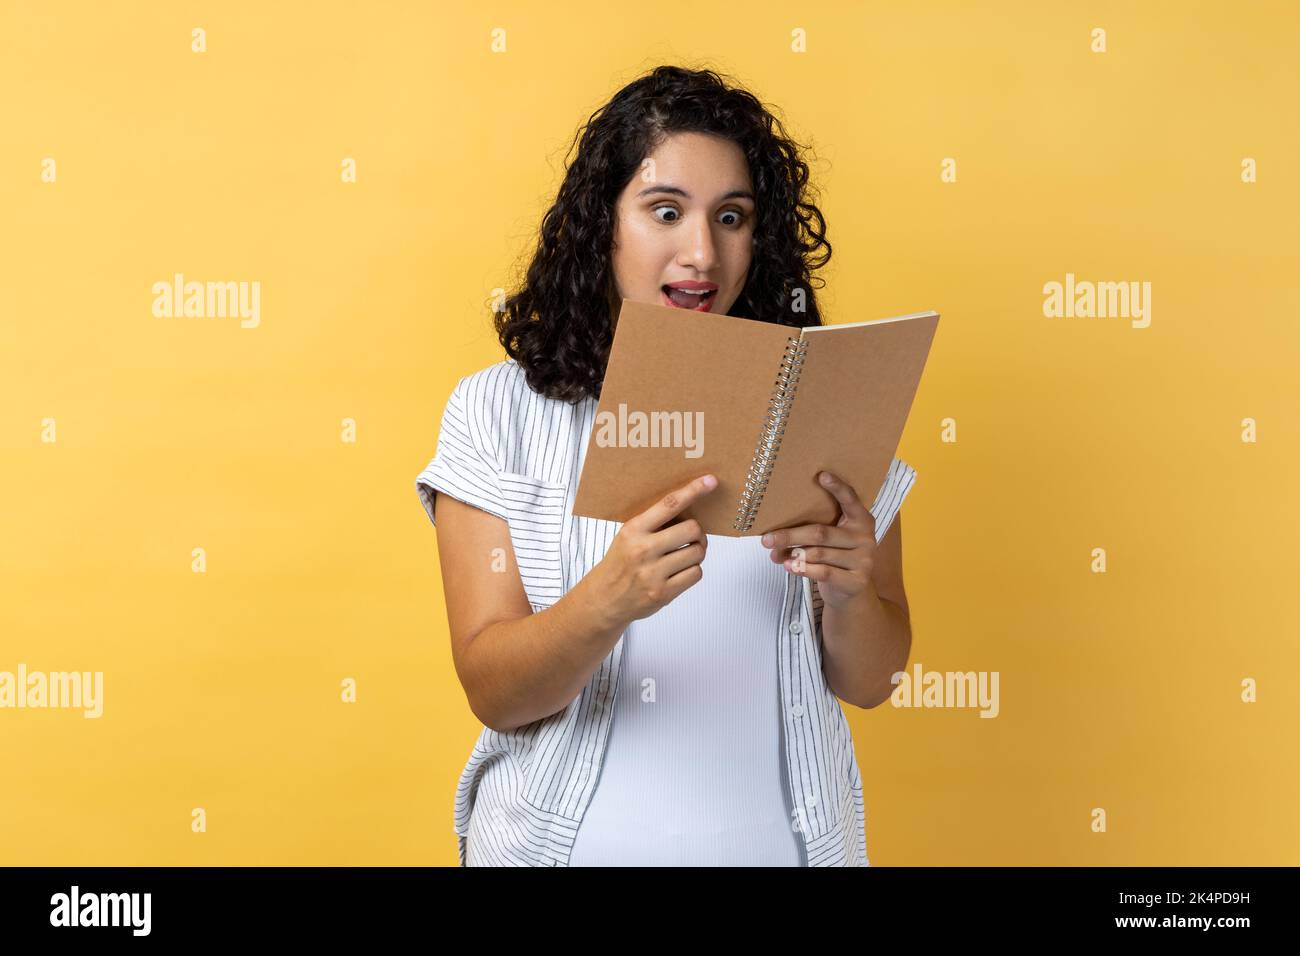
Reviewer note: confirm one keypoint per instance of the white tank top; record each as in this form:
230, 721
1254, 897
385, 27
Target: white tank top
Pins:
694, 773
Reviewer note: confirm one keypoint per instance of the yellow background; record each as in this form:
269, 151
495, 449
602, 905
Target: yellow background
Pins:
222, 690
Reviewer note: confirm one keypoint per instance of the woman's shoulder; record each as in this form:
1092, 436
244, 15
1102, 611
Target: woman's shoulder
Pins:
497, 403
502, 376
497, 392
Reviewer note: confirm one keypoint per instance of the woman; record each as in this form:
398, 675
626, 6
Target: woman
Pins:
636, 710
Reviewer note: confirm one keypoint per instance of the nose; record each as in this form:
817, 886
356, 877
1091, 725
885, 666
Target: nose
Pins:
698, 249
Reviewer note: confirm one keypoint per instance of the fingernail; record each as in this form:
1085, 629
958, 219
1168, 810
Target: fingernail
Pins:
710, 481
826, 477
767, 541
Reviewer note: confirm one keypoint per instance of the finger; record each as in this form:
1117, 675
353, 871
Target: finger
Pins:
674, 503
679, 560
851, 559
803, 535
684, 579
678, 535
850, 504
834, 577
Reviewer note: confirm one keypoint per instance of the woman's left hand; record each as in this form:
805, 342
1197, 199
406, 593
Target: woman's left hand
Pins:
838, 557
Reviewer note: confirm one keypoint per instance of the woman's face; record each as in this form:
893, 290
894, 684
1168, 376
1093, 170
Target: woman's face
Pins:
686, 219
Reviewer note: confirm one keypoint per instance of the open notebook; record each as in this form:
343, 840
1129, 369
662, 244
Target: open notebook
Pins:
763, 407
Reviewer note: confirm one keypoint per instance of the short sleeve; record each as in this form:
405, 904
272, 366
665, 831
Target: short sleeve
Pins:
898, 482
464, 465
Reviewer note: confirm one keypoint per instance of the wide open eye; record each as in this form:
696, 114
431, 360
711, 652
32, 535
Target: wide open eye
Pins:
738, 216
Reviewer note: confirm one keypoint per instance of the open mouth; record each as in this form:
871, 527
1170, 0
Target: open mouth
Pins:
695, 301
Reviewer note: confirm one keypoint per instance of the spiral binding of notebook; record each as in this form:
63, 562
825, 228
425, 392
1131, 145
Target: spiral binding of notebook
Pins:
769, 439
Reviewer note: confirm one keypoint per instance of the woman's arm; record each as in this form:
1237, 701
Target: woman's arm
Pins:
517, 665
866, 642
866, 629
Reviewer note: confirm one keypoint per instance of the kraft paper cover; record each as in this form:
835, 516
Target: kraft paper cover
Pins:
853, 394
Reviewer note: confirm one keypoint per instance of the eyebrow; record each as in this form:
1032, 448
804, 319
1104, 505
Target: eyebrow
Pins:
678, 191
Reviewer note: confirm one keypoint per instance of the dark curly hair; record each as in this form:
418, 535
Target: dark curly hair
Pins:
559, 325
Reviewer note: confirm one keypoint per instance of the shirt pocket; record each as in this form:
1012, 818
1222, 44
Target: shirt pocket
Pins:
536, 512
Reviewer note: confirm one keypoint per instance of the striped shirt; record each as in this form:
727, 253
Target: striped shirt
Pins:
520, 799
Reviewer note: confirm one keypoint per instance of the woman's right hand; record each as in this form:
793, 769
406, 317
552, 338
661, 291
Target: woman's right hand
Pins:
645, 567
